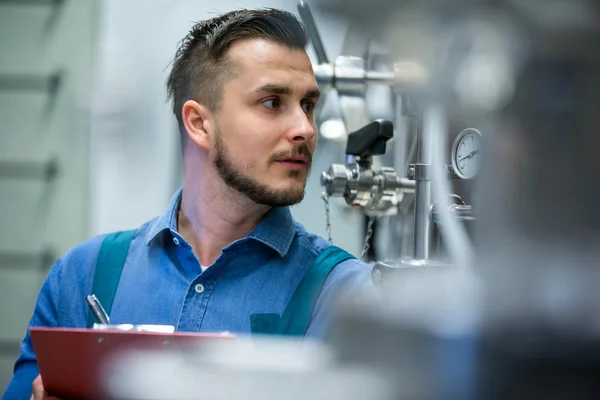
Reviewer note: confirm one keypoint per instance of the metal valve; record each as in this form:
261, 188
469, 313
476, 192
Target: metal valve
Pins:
356, 182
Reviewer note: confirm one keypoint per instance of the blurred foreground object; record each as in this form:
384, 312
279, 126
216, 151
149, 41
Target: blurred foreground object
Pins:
259, 368
527, 74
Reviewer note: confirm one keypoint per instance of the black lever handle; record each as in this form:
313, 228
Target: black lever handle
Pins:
370, 140
313, 33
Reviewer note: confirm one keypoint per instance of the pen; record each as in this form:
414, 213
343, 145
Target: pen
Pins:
97, 309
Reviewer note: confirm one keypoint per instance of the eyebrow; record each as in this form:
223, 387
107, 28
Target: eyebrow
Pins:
286, 90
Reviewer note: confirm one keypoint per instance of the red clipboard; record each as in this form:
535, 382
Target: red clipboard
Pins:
71, 361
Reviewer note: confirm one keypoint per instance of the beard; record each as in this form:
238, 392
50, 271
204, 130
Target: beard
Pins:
256, 191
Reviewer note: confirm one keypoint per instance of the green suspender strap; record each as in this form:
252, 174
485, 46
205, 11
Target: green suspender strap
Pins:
297, 315
109, 265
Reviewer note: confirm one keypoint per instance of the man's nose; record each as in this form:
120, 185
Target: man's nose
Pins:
302, 127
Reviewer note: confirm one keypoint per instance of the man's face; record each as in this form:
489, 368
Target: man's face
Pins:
266, 132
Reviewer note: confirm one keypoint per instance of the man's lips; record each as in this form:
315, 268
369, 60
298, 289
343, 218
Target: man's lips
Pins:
294, 163
293, 159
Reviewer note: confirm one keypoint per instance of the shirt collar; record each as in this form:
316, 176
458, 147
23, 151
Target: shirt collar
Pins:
167, 221
276, 230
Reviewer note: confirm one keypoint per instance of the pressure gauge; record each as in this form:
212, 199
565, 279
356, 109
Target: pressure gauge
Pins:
466, 153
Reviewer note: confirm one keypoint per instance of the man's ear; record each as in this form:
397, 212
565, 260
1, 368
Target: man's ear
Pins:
197, 120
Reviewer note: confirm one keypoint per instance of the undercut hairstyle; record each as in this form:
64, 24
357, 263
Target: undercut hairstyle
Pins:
201, 66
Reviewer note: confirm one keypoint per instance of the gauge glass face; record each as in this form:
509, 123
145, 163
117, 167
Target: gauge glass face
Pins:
467, 155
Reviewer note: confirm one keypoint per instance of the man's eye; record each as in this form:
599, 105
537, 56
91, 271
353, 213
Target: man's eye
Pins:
308, 106
272, 103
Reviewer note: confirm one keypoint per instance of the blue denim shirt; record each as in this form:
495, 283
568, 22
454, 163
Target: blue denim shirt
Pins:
162, 283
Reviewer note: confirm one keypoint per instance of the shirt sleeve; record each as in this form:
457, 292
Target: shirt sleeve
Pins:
45, 314
351, 277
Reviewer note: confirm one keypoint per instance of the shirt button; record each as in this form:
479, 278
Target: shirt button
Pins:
176, 241
199, 288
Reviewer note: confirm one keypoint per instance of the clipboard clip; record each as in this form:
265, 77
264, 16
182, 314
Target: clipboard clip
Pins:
105, 325
136, 328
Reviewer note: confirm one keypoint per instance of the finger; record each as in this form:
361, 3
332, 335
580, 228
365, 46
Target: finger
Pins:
37, 389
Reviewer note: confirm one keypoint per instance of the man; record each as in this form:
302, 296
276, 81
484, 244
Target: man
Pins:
227, 249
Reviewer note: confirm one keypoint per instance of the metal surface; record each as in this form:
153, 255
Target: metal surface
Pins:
403, 132
377, 191
461, 212
311, 28
360, 186
350, 75
354, 112
384, 270
423, 199
335, 180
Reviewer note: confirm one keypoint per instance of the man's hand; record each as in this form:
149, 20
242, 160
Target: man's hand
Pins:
38, 390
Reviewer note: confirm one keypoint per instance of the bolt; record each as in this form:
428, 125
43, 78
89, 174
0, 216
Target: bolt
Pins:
325, 179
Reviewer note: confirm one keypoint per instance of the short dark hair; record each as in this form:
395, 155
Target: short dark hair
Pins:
201, 68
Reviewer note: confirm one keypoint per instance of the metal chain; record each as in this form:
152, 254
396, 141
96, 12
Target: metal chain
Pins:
325, 198
366, 246
368, 235
372, 219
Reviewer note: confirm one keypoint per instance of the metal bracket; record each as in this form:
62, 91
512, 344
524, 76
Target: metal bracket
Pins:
419, 172
422, 172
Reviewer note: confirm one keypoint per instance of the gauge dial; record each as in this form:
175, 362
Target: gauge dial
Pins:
466, 153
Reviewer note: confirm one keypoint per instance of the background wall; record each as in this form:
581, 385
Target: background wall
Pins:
45, 75
109, 129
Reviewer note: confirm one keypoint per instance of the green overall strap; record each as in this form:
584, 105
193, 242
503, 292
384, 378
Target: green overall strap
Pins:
298, 313
109, 265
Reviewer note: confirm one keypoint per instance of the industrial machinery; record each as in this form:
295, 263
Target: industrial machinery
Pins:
511, 311
379, 191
